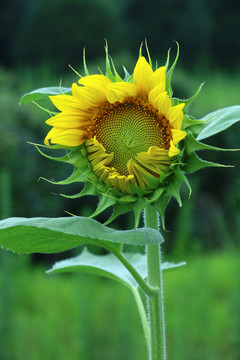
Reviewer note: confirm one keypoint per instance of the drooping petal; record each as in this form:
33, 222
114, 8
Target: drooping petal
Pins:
97, 154
121, 182
175, 116
138, 171
173, 151
69, 120
119, 91
155, 159
100, 161
177, 135
142, 76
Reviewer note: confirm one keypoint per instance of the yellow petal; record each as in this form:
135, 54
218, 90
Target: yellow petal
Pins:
177, 135
92, 89
69, 120
142, 76
92, 96
70, 137
159, 77
153, 96
121, 182
173, 151
97, 154
175, 116
164, 103
98, 81
119, 91
68, 102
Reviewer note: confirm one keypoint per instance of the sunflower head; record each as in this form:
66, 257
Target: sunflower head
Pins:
126, 136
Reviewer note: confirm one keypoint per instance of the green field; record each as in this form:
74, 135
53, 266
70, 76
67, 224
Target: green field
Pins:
85, 317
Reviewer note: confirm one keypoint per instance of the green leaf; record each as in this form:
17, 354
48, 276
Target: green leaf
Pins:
219, 121
108, 266
43, 93
50, 235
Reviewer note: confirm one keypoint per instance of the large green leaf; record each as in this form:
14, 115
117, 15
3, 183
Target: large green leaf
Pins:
108, 266
43, 93
50, 235
219, 121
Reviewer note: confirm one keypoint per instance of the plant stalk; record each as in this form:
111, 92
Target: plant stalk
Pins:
157, 349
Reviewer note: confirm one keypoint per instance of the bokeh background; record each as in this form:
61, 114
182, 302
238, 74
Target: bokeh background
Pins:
81, 316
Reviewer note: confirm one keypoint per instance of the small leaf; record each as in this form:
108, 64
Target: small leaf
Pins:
43, 93
219, 121
50, 235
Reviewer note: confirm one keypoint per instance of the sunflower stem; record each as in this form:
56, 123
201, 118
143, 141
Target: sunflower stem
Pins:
157, 349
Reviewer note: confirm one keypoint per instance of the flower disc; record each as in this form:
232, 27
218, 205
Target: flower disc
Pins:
129, 128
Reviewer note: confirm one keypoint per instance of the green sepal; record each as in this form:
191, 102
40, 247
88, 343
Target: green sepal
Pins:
192, 144
109, 73
193, 125
173, 188
138, 207
88, 190
127, 76
105, 202
118, 209
161, 205
156, 194
189, 101
194, 163
85, 63
170, 72
42, 93
117, 76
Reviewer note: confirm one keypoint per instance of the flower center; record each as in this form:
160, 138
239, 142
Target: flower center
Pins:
129, 128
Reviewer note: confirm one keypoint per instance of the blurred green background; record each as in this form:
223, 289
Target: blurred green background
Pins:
83, 317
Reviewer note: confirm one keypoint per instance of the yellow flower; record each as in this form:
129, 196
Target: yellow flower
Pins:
131, 130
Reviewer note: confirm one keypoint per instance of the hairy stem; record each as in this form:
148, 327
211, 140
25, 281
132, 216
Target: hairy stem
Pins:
155, 302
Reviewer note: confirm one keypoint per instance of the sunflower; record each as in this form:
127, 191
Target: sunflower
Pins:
131, 130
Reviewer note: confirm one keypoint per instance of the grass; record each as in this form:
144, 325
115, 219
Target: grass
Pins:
85, 317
